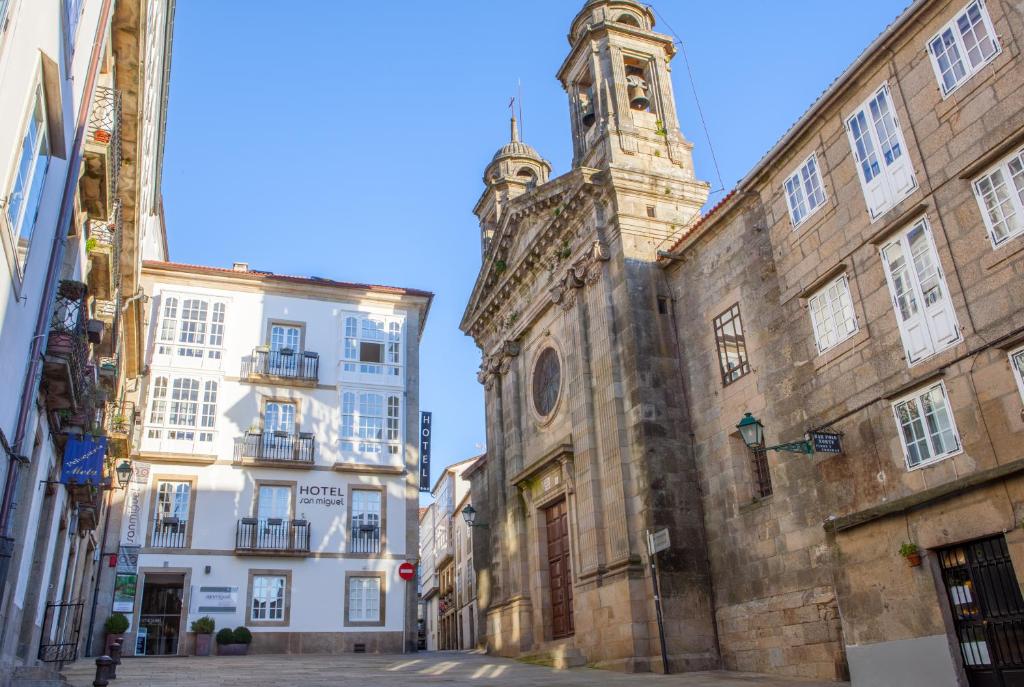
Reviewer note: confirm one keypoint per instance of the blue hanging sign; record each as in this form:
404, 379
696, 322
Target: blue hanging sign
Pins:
425, 440
83, 460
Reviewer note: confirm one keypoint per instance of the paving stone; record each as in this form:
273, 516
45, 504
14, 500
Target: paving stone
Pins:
392, 671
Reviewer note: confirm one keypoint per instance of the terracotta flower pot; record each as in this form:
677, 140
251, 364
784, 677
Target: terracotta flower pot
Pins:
204, 644
913, 559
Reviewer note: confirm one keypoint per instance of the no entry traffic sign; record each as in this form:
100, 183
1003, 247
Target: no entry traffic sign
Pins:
407, 571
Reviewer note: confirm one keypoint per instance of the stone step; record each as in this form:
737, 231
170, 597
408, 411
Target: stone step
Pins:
558, 656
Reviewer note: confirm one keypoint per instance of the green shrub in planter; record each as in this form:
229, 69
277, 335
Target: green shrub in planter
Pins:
204, 626
242, 635
117, 624
225, 636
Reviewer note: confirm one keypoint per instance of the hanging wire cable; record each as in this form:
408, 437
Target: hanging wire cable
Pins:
696, 98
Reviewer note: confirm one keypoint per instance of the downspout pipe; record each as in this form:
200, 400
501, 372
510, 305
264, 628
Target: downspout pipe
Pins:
28, 392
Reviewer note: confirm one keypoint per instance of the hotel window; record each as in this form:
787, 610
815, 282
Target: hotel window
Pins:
926, 427
366, 521
963, 46
921, 300
883, 165
171, 515
21, 206
373, 345
804, 191
273, 512
182, 409
287, 337
732, 346
1017, 362
268, 598
364, 597
192, 328
371, 422
832, 314
1000, 193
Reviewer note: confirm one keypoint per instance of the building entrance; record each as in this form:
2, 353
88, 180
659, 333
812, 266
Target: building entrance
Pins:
160, 617
559, 570
988, 611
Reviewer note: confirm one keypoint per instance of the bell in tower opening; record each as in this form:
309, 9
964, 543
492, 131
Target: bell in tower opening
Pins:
636, 85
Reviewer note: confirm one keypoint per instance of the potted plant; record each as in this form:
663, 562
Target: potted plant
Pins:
234, 642
115, 627
911, 553
203, 627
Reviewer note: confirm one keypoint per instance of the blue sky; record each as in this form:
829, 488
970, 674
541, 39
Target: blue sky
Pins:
324, 140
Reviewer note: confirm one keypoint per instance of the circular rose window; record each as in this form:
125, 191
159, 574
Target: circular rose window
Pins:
547, 381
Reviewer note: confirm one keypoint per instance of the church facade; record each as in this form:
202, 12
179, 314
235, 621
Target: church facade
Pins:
585, 421
859, 293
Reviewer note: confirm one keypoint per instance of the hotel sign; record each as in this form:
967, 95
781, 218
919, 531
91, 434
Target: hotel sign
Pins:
426, 429
134, 523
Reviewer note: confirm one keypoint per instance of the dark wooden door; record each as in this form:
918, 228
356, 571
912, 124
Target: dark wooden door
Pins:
985, 599
559, 570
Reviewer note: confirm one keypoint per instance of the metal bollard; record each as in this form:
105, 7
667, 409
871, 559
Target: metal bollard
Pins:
103, 664
115, 659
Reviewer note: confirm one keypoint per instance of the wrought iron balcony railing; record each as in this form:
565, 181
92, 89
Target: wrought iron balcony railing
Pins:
65, 365
276, 447
364, 539
272, 535
119, 421
284, 363
102, 153
103, 243
169, 533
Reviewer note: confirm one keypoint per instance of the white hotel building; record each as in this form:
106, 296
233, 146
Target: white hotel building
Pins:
275, 480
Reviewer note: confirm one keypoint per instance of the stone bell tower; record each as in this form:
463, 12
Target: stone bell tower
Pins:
618, 77
515, 169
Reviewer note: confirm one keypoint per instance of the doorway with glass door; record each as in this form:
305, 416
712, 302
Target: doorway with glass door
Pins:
273, 516
163, 599
285, 352
278, 431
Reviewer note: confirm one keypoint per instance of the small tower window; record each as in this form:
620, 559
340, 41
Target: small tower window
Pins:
585, 100
638, 83
629, 20
526, 174
652, 212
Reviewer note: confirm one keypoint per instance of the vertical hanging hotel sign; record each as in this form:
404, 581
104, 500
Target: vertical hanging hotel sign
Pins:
83, 460
425, 431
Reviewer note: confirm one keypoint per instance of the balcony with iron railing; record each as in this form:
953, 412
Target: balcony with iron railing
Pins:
103, 245
282, 366
281, 449
169, 533
66, 361
102, 159
364, 538
272, 536
119, 423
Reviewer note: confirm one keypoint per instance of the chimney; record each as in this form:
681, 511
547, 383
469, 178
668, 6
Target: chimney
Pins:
240, 267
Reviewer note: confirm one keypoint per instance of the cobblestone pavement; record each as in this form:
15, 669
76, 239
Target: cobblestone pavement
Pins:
389, 671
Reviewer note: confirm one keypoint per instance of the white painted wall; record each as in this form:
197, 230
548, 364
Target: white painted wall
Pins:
225, 492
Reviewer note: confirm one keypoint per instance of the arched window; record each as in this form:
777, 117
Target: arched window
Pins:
630, 20
526, 174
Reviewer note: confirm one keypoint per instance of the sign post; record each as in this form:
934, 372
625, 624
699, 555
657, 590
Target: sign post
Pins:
656, 543
425, 431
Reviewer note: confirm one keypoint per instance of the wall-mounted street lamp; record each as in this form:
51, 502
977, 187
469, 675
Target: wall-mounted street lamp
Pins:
469, 515
124, 474
752, 432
